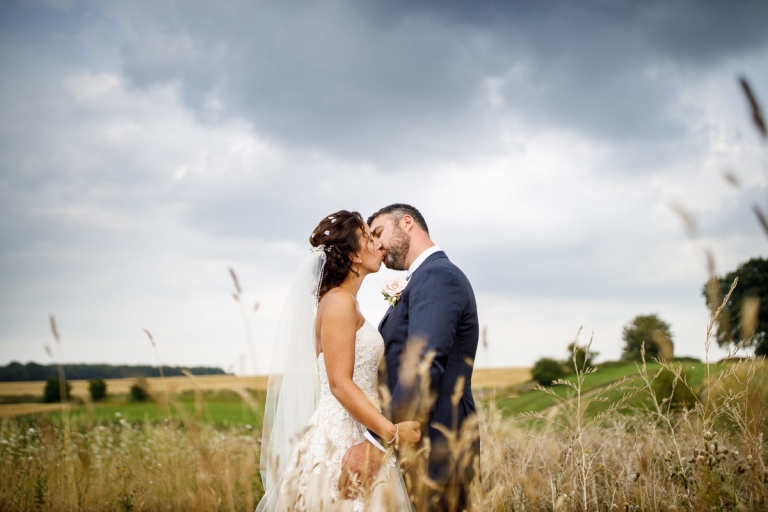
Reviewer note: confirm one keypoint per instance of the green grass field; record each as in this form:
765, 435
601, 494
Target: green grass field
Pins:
219, 409
535, 401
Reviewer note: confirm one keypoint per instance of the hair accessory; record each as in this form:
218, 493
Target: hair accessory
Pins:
333, 220
321, 247
326, 232
330, 217
312, 236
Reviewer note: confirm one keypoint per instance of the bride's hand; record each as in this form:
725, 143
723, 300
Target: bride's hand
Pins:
408, 434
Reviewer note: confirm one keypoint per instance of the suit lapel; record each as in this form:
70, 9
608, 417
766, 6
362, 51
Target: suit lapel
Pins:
432, 257
381, 324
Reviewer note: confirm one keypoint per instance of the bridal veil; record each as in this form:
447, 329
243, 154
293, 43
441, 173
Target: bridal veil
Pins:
294, 387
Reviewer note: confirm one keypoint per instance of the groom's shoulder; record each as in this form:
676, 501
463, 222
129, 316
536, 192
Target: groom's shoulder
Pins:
439, 264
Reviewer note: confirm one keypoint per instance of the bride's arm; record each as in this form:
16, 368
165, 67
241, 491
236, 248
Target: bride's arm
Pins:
338, 329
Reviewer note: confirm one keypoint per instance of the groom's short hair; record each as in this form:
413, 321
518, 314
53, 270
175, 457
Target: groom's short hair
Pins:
400, 210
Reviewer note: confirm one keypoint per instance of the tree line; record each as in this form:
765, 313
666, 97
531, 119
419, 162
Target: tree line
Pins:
17, 372
97, 388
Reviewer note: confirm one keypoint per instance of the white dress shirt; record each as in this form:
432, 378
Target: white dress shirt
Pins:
418, 261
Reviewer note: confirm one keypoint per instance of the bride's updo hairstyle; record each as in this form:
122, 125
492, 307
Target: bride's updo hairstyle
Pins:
338, 233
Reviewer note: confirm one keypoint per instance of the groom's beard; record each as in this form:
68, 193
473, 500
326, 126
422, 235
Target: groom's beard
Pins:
397, 253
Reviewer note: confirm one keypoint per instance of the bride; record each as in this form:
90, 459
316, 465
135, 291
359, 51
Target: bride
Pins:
322, 393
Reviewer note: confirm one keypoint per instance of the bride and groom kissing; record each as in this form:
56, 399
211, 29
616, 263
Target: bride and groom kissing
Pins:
329, 441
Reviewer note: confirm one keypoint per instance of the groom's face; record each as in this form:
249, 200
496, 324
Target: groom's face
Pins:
394, 241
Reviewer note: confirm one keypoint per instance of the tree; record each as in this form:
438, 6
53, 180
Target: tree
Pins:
52, 391
584, 360
651, 330
140, 390
745, 316
547, 370
97, 388
672, 391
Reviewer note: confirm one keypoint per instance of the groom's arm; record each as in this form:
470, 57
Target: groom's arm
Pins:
435, 307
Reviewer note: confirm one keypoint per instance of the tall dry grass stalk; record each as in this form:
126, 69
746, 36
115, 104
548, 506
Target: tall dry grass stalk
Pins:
238, 296
127, 467
165, 395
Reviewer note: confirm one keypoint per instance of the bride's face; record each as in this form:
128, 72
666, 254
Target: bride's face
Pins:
371, 253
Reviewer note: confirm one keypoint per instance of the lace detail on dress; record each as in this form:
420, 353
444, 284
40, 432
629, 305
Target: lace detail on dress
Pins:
332, 431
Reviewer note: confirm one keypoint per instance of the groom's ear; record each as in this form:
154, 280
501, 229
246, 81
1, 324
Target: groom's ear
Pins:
407, 223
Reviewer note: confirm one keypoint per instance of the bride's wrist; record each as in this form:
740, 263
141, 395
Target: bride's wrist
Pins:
390, 433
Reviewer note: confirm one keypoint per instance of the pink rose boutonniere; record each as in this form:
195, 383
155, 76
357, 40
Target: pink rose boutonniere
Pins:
393, 288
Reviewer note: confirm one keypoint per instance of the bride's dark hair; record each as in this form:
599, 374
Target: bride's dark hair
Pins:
338, 233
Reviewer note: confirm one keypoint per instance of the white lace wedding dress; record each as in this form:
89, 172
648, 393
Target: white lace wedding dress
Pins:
311, 479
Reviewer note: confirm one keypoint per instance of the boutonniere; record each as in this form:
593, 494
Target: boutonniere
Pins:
393, 288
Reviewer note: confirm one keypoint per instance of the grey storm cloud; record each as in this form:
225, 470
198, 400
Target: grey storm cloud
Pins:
146, 146
390, 82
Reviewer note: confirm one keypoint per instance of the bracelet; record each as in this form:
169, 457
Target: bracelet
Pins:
397, 431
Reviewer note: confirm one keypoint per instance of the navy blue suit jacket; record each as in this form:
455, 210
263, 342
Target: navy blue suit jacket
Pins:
437, 304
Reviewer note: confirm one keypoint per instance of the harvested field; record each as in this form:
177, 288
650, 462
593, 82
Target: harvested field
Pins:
123, 386
483, 378
491, 378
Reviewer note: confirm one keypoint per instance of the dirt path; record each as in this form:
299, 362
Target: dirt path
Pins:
551, 412
11, 410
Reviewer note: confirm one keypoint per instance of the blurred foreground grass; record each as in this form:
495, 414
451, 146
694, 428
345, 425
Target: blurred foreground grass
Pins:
119, 455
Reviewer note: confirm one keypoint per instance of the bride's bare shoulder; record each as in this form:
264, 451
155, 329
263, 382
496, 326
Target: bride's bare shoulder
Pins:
338, 302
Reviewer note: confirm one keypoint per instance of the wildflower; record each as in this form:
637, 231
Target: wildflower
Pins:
587, 451
118, 414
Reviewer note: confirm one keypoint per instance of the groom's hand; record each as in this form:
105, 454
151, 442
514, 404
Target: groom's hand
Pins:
359, 467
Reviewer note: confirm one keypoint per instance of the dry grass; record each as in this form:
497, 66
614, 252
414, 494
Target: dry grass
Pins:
127, 467
711, 456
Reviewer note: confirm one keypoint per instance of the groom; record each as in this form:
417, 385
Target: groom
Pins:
437, 305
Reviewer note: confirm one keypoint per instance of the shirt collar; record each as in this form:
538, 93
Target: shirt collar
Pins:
418, 261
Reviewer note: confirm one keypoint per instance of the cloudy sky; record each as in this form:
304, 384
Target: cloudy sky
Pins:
145, 147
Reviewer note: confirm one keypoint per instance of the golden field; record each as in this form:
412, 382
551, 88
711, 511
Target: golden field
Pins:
483, 378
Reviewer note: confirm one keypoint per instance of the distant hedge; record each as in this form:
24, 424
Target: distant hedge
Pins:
17, 372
